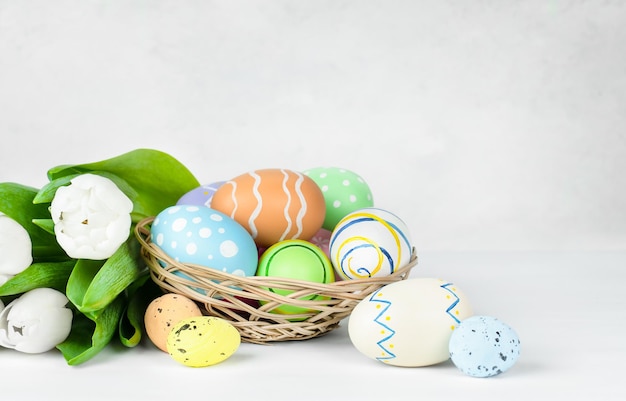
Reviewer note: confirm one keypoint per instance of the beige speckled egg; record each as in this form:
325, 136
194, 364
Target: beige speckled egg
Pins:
273, 204
163, 313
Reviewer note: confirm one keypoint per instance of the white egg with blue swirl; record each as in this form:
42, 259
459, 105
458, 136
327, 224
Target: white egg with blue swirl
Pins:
370, 242
206, 237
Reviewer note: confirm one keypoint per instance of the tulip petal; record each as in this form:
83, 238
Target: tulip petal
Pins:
15, 246
91, 217
35, 322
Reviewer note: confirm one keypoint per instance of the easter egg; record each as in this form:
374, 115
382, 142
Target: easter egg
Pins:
369, 242
200, 196
344, 192
163, 313
322, 240
206, 237
202, 341
483, 346
296, 259
273, 204
408, 323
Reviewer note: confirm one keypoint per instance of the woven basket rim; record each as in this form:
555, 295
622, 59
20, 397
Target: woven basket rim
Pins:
143, 235
224, 293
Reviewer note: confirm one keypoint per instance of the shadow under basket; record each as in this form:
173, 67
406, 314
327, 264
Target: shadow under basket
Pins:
247, 302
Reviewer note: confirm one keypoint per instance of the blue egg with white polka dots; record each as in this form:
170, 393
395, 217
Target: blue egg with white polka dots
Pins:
483, 346
206, 237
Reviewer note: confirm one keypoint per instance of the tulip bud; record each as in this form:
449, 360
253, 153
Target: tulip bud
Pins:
15, 248
35, 322
91, 217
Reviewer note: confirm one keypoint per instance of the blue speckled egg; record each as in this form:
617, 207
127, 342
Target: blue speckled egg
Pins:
483, 346
200, 196
207, 237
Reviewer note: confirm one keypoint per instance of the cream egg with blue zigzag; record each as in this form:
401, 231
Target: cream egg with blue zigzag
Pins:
409, 322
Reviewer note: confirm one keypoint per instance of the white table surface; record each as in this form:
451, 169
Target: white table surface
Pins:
567, 308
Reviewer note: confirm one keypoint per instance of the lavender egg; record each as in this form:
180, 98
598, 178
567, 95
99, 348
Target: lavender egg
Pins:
200, 196
483, 346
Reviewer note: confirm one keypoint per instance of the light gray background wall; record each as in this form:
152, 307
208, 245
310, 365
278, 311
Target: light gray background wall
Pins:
485, 124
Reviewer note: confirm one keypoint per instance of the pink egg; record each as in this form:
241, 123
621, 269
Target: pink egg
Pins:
322, 240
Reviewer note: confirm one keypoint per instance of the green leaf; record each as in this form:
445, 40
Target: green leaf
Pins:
94, 284
131, 327
63, 170
47, 192
158, 178
45, 224
39, 275
16, 201
79, 281
91, 334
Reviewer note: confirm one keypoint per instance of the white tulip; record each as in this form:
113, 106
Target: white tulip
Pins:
16, 248
35, 322
91, 217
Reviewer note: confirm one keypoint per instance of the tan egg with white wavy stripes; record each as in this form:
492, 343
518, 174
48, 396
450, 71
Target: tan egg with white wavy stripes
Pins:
273, 204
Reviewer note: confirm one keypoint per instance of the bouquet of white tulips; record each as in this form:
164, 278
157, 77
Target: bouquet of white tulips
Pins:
71, 275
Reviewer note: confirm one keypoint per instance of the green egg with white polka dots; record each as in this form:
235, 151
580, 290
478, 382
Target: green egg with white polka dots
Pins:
344, 192
202, 341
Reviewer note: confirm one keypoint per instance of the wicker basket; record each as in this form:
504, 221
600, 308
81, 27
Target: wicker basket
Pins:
236, 298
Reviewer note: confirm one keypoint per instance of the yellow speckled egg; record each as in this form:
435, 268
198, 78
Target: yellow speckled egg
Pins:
202, 341
163, 313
